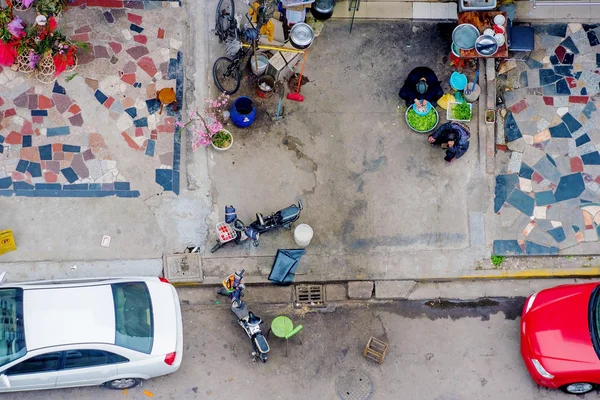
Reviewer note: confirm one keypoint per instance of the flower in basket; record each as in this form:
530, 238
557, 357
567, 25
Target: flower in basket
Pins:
63, 54
206, 123
15, 27
11, 33
50, 7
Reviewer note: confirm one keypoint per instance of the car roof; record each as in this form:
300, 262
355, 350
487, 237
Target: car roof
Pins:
56, 316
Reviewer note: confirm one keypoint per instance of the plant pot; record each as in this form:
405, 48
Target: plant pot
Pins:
223, 148
18, 5
23, 62
490, 117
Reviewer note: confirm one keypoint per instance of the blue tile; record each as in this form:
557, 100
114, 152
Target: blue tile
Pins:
153, 106
5, 182
560, 131
559, 30
588, 27
511, 129
549, 157
101, 97
532, 63
569, 187
547, 77
58, 89
77, 186
22, 166
507, 248
583, 91
69, 174
534, 249
582, 139
571, 122
583, 201
526, 171
575, 228
132, 111
569, 58
569, 44
136, 28
39, 113
557, 233
598, 60
176, 152
150, 148
45, 152
35, 169
176, 182
164, 177
554, 60
544, 198
27, 140
60, 131
562, 87
547, 169
1, 148
564, 70
589, 108
108, 186
549, 90
593, 38
591, 158
69, 148
47, 186
127, 193
577, 75
521, 202
140, 123
109, 17
2, 137
122, 186
22, 185
95, 186
505, 184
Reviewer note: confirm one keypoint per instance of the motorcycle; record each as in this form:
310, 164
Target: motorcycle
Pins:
234, 230
249, 322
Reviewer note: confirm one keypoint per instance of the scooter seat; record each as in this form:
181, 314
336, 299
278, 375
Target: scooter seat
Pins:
261, 343
253, 319
289, 213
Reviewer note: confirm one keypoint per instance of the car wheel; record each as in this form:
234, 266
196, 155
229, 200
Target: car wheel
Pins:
578, 388
123, 383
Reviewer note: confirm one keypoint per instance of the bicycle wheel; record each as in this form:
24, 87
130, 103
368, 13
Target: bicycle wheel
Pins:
225, 19
226, 75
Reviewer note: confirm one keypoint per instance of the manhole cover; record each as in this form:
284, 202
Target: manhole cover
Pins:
182, 268
354, 385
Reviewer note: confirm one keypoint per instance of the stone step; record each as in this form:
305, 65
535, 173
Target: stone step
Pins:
399, 10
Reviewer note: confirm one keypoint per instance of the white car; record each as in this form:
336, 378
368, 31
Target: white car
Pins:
108, 331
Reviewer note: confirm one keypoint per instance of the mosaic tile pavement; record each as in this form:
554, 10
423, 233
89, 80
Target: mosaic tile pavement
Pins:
548, 196
47, 146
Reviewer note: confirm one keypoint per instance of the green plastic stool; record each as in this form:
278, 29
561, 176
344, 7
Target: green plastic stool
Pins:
283, 328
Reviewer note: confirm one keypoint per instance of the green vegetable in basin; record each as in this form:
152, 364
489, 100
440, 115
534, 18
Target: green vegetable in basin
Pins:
462, 111
422, 123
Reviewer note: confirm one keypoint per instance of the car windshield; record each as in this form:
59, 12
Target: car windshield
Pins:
133, 316
12, 334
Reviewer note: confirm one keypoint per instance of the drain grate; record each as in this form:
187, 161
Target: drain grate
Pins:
310, 295
354, 385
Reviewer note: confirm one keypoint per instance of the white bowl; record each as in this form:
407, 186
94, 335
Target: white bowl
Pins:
500, 38
499, 19
489, 32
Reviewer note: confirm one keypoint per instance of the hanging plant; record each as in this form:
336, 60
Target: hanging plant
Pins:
22, 5
50, 7
11, 33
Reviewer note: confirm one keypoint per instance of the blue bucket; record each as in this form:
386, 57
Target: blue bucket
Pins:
243, 112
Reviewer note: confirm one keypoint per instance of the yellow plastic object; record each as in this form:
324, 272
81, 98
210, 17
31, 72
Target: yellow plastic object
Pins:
7, 241
445, 99
268, 28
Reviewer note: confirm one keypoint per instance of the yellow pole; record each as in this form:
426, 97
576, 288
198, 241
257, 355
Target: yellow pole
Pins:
265, 47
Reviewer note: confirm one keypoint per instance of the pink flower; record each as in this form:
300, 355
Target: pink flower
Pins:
179, 124
15, 27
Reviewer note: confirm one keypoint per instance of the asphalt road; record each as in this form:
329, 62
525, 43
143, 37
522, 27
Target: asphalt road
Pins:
437, 351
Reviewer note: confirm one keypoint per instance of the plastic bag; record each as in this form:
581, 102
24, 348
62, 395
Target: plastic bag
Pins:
445, 99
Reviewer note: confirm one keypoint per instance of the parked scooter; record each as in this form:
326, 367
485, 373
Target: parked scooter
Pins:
234, 230
233, 287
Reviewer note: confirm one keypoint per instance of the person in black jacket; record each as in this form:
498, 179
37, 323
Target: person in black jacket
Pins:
421, 84
452, 136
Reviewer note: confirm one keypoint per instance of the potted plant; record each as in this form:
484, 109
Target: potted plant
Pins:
206, 126
490, 116
50, 7
11, 33
222, 140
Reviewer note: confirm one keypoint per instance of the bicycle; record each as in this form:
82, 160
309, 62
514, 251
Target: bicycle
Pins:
227, 71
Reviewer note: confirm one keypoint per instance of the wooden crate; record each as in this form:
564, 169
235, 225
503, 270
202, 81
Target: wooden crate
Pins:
375, 350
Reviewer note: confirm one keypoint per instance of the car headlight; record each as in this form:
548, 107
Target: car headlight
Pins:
530, 302
541, 369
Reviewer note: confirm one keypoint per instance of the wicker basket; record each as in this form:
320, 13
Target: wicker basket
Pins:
45, 71
18, 5
23, 62
71, 68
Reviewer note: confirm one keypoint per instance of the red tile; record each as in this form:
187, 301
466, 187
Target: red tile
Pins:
44, 102
560, 53
37, 132
502, 147
161, 33
17, 176
1, 101
56, 147
37, 119
27, 128
576, 164
116, 47
83, 29
537, 177
136, 19
518, 107
139, 132
105, 3
572, 82
549, 101
74, 109
597, 179
81, 37
147, 64
10, 113
128, 78
58, 156
140, 39
109, 102
14, 138
130, 141
50, 177
578, 99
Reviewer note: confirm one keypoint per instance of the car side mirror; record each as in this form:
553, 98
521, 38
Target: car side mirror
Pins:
5, 380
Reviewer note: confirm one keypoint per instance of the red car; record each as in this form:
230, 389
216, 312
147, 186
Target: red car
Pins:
560, 337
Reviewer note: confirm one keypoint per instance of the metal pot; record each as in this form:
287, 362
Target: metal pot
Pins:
301, 35
322, 10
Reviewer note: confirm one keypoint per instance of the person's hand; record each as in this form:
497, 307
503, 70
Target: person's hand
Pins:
451, 143
430, 139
